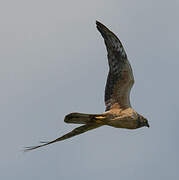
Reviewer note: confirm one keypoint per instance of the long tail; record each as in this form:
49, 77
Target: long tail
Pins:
75, 132
82, 118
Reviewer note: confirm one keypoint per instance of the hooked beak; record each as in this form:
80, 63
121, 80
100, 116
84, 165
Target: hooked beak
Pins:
147, 124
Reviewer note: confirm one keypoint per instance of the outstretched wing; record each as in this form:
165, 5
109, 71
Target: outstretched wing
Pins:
76, 131
120, 78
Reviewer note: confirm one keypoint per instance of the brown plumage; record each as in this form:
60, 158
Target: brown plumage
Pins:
120, 80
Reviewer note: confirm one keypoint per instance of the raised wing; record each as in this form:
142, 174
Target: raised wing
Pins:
120, 78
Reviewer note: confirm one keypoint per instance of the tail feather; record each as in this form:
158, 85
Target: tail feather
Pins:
82, 118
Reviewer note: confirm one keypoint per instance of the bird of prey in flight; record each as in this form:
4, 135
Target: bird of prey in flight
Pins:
118, 113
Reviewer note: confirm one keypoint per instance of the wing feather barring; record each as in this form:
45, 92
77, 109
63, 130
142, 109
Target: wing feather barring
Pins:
120, 80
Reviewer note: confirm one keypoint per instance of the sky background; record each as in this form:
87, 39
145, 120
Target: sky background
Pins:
53, 62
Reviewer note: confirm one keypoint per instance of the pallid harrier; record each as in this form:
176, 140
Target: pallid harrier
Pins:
119, 112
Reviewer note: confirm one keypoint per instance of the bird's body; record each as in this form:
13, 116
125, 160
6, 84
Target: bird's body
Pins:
126, 118
118, 118
119, 113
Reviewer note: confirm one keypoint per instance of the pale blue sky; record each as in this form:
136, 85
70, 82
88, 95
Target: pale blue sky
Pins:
53, 62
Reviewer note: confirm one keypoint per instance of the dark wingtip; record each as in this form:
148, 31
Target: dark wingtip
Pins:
97, 22
27, 149
100, 25
102, 29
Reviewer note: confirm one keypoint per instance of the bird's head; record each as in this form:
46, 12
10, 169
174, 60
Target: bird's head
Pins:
141, 121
